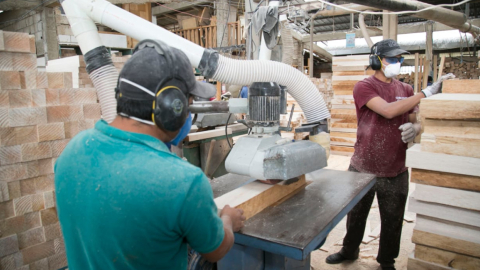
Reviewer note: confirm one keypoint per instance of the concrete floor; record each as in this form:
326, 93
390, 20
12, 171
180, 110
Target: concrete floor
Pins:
368, 252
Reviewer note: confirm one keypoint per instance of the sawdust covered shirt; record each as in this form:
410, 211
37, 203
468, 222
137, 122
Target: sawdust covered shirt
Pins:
379, 148
125, 202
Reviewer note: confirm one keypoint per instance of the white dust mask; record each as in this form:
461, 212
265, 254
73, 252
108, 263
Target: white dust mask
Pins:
392, 70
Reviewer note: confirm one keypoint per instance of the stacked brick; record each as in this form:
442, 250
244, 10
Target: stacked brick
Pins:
39, 114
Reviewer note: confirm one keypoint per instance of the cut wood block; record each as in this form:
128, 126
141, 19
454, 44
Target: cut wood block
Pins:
59, 260
73, 128
92, 111
6, 210
417, 264
24, 61
344, 114
16, 42
13, 261
416, 158
51, 132
4, 101
446, 243
254, 197
207, 134
445, 212
45, 166
49, 198
35, 151
44, 183
52, 231
66, 96
448, 196
4, 193
86, 96
31, 237
14, 172
64, 113
454, 137
48, 216
451, 106
58, 146
6, 61
37, 252
33, 48
24, 135
38, 98
20, 98
10, 80
15, 225
42, 80
59, 80
27, 187
26, 116
14, 189
32, 168
461, 87
448, 180
10, 154
446, 258
8, 245
52, 97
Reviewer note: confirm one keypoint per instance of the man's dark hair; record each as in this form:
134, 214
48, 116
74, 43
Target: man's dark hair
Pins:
138, 108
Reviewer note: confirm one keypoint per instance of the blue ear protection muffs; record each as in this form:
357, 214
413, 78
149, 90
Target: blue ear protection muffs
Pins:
374, 60
170, 106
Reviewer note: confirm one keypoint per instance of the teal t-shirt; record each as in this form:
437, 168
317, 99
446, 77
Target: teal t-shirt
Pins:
125, 202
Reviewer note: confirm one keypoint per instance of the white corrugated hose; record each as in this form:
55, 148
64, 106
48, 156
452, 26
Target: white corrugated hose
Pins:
245, 72
105, 80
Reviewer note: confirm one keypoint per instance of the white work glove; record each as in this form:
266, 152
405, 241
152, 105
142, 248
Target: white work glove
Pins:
435, 87
409, 131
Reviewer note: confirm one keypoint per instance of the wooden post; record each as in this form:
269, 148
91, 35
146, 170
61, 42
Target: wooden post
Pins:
440, 69
426, 71
435, 68
420, 76
416, 74
219, 91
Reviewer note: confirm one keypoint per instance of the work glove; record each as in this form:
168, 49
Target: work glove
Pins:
436, 86
409, 131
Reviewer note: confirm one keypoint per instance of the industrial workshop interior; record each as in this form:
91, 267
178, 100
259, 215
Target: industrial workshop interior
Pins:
239, 134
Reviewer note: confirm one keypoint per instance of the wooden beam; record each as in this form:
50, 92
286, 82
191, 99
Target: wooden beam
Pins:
417, 264
443, 179
170, 8
426, 71
446, 243
416, 73
435, 68
416, 158
196, 136
440, 69
254, 197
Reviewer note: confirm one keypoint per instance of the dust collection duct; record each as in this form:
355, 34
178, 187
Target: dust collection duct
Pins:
442, 15
82, 13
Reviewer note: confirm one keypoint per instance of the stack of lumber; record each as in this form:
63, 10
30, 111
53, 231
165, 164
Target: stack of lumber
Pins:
445, 168
39, 114
347, 71
324, 86
461, 70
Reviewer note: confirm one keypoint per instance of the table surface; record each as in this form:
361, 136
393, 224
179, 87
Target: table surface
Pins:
297, 226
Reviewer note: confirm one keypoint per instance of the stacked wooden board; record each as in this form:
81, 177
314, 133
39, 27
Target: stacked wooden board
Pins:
347, 71
324, 86
39, 114
446, 170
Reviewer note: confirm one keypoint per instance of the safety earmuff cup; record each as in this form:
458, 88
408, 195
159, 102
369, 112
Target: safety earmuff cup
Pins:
170, 108
375, 62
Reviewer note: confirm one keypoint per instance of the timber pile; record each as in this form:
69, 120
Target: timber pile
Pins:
445, 168
347, 71
324, 86
39, 114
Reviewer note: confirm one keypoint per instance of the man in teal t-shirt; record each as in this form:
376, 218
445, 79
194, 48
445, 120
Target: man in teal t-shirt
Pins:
124, 200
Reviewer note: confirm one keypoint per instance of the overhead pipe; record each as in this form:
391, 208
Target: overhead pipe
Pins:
442, 15
339, 11
217, 67
363, 28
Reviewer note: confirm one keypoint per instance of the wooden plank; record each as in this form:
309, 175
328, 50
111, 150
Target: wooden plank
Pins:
444, 212
446, 258
254, 197
440, 68
446, 243
443, 179
353, 73
448, 196
416, 158
435, 67
447, 228
207, 134
417, 264
451, 106
426, 71
461, 87
360, 68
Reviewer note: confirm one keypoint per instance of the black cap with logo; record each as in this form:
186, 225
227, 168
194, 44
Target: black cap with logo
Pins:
388, 48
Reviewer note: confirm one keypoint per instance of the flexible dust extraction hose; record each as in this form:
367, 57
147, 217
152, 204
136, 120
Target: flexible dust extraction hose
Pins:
244, 72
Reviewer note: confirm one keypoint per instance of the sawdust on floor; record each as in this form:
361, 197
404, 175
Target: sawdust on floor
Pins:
368, 252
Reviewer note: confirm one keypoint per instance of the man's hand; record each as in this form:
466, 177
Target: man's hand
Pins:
236, 217
435, 87
409, 131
